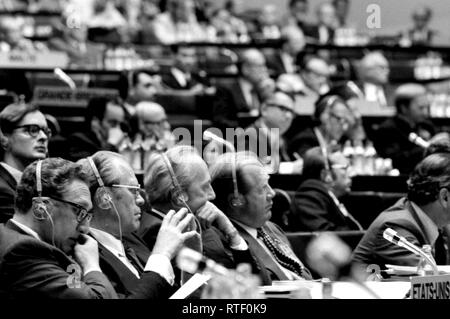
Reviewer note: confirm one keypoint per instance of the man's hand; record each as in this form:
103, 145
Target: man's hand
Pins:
86, 254
115, 136
170, 237
209, 215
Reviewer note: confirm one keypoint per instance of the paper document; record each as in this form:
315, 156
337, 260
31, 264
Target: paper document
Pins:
190, 286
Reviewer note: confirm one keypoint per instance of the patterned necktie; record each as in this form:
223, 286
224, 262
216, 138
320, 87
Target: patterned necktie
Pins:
440, 250
281, 253
133, 258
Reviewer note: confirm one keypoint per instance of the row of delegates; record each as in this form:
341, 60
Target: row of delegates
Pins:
42, 253
24, 138
221, 239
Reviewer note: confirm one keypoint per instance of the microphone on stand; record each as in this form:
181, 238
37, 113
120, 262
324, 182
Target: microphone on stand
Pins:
392, 236
60, 74
416, 139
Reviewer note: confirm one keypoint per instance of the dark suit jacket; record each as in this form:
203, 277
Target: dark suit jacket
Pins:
312, 31
302, 142
314, 210
228, 103
374, 249
150, 286
82, 145
30, 268
269, 270
7, 191
391, 141
171, 81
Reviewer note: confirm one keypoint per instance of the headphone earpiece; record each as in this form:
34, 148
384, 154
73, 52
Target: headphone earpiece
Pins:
179, 196
236, 201
103, 198
328, 179
39, 208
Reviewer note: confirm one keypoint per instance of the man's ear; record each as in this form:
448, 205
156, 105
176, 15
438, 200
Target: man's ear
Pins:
95, 124
444, 197
4, 142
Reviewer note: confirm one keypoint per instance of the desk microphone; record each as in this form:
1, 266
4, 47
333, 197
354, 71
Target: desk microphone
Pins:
416, 139
60, 74
392, 236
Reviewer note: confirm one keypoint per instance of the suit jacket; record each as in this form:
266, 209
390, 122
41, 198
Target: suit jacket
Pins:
7, 192
215, 245
82, 145
169, 79
312, 31
391, 141
30, 268
302, 142
374, 249
313, 209
150, 285
269, 270
230, 101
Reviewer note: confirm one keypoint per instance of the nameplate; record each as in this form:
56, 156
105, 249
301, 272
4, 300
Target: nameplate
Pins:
64, 96
34, 60
430, 287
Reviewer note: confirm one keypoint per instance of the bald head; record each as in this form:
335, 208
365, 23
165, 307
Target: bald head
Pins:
152, 118
295, 40
374, 68
253, 66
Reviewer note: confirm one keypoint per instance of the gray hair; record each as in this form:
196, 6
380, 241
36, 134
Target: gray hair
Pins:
158, 183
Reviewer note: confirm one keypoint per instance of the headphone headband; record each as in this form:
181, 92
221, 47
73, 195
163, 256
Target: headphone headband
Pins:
323, 148
38, 178
96, 172
173, 177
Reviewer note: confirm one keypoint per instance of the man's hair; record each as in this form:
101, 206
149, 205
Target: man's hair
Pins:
428, 177
107, 164
324, 103
135, 76
406, 93
222, 178
10, 117
313, 163
56, 174
293, 2
97, 108
158, 182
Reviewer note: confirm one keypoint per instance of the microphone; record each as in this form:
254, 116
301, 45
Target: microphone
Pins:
392, 236
60, 74
416, 139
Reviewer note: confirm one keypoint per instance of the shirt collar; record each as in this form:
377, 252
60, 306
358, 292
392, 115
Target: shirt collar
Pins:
109, 241
25, 228
252, 231
13, 171
431, 230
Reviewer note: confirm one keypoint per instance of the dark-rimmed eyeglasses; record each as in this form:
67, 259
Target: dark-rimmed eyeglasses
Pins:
81, 212
34, 129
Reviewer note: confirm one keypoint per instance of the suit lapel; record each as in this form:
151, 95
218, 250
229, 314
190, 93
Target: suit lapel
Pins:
7, 177
264, 259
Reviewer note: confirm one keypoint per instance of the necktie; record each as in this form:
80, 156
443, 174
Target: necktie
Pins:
440, 250
281, 253
133, 258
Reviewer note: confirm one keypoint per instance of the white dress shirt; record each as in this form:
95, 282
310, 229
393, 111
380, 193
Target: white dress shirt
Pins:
156, 262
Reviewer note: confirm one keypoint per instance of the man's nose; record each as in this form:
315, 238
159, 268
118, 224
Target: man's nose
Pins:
140, 200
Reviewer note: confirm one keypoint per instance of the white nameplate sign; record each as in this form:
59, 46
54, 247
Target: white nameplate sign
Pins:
430, 287
34, 60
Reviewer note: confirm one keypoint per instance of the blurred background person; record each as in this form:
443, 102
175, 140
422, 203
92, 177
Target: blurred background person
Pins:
323, 31
393, 137
299, 14
316, 205
12, 38
315, 73
24, 138
331, 120
267, 24
341, 8
105, 124
420, 33
142, 87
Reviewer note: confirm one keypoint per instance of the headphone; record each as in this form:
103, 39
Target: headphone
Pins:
177, 192
102, 197
329, 176
39, 207
236, 199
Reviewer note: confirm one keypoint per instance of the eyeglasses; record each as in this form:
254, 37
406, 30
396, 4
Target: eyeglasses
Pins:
341, 119
163, 121
81, 212
33, 130
134, 189
282, 107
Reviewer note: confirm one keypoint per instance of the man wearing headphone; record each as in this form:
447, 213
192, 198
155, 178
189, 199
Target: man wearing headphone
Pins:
316, 206
134, 272
50, 224
180, 178
251, 215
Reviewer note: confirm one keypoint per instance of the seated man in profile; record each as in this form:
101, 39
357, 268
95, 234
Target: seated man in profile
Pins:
316, 206
51, 220
250, 212
134, 271
418, 217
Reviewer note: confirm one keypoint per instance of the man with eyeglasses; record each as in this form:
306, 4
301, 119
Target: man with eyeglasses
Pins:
265, 136
316, 205
44, 249
134, 271
105, 127
24, 138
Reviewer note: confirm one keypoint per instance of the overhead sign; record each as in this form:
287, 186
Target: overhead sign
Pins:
430, 287
34, 60
64, 96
